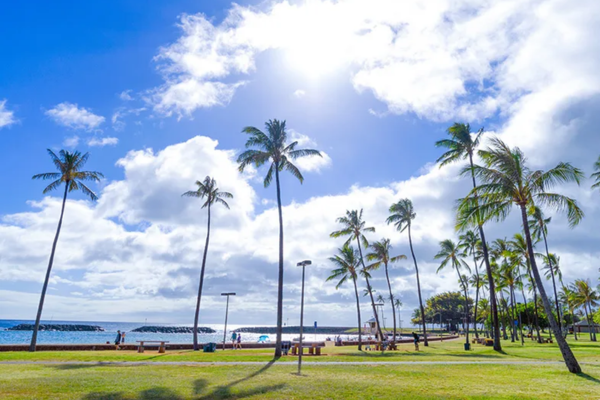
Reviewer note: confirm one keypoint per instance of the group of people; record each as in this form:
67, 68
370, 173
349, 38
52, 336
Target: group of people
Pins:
120, 338
236, 340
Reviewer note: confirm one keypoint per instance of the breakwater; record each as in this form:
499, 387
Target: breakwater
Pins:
172, 329
57, 328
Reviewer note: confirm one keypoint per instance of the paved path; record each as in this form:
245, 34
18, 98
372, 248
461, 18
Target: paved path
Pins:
224, 363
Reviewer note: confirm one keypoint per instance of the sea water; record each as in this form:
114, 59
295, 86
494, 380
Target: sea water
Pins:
110, 333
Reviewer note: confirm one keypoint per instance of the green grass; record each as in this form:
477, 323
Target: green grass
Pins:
584, 350
280, 382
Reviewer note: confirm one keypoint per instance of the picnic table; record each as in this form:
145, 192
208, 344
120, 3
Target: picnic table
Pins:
161, 347
313, 349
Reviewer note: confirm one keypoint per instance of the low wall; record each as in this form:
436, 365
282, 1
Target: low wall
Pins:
131, 346
430, 339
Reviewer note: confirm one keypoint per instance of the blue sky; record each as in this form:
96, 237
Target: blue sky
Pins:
373, 85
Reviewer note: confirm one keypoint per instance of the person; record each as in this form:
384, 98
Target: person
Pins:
416, 339
123, 337
233, 340
239, 341
118, 338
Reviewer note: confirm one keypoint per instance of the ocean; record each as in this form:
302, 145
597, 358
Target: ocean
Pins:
110, 332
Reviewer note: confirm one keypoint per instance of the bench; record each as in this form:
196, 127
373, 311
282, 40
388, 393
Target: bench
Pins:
313, 349
547, 340
161, 347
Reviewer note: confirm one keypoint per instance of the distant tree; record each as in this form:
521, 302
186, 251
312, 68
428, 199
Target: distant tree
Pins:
272, 147
471, 245
402, 214
586, 297
208, 191
596, 175
69, 173
347, 263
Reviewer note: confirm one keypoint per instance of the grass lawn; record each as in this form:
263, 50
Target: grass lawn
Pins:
280, 382
584, 350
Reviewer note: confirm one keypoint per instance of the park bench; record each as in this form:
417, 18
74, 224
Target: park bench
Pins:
547, 340
313, 349
161, 347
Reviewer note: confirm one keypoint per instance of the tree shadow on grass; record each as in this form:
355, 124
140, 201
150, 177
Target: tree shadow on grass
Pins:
156, 393
74, 366
588, 377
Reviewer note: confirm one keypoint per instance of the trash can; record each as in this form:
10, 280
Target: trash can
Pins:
210, 347
467, 346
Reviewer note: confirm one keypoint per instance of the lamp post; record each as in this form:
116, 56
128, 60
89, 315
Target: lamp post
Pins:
226, 312
302, 264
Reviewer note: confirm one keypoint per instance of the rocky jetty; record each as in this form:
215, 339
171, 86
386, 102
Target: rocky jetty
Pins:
324, 330
172, 329
58, 328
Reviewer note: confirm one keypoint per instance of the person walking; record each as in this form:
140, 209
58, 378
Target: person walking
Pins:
118, 338
416, 339
239, 341
122, 337
233, 340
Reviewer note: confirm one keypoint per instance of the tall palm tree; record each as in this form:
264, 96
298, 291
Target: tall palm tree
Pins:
539, 230
507, 181
347, 263
587, 297
354, 226
470, 243
206, 190
569, 297
69, 165
272, 147
451, 255
380, 255
596, 175
401, 215
462, 145
552, 272
398, 306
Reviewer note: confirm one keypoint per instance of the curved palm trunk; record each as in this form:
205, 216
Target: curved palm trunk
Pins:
567, 354
387, 276
196, 348
553, 281
466, 323
488, 268
358, 313
370, 291
280, 282
50, 262
425, 342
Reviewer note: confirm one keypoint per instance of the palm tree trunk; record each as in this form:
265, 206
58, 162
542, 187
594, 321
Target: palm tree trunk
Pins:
466, 323
369, 289
592, 326
587, 318
573, 319
387, 276
196, 348
358, 313
567, 354
280, 283
535, 305
503, 305
488, 268
50, 262
512, 310
553, 281
514, 296
476, 297
425, 342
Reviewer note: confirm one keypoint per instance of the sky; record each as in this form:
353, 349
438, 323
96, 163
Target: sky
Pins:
158, 93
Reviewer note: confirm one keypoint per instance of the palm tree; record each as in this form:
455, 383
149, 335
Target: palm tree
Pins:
69, 167
347, 263
470, 244
398, 306
587, 297
273, 147
354, 226
461, 146
402, 215
207, 189
509, 181
569, 297
539, 230
596, 175
381, 256
551, 271
451, 255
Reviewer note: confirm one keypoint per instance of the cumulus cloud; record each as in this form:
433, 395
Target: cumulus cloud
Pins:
7, 117
75, 117
125, 95
101, 142
71, 141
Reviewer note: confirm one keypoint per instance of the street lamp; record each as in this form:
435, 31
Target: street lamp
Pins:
226, 312
302, 264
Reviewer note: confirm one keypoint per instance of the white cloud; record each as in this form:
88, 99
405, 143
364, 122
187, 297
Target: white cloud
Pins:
74, 117
71, 141
125, 95
7, 117
299, 93
101, 142
313, 163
